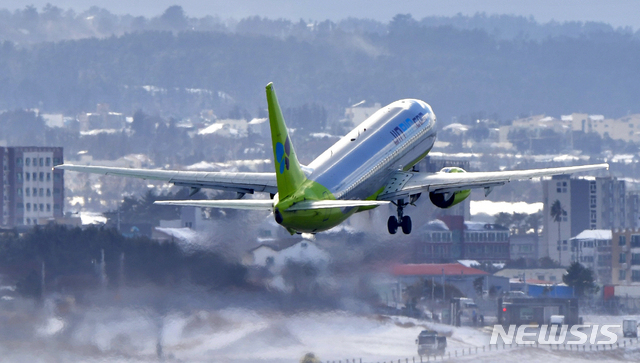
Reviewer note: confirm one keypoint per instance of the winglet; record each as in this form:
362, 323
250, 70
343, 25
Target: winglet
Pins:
289, 174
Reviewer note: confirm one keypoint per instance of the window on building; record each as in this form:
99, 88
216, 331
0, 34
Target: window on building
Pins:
635, 258
35, 176
41, 207
27, 161
622, 240
41, 161
48, 176
27, 176
42, 192
28, 207
19, 192
18, 161
35, 192
622, 275
27, 192
635, 240
19, 177
47, 162
48, 207
41, 176
623, 258
35, 162
635, 275
48, 192
28, 220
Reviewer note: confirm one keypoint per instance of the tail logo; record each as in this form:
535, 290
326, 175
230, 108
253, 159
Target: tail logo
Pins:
282, 154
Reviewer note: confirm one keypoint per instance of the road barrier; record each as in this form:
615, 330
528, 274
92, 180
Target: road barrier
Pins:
488, 348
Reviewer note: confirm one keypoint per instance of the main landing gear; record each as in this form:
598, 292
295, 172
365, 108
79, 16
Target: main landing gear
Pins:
401, 221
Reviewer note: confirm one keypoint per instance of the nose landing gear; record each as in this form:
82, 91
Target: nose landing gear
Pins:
401, 221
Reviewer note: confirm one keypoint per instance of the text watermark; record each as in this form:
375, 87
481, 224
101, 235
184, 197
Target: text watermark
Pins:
554, 334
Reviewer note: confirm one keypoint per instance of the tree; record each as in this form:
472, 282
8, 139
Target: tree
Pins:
534, 222
581, 279
557, 212
548, 262
173, 18
478, 284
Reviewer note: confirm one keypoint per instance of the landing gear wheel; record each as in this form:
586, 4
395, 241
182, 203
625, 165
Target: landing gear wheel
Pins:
392, 225
406, 224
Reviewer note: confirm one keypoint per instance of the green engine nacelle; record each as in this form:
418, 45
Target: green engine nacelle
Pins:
446, 200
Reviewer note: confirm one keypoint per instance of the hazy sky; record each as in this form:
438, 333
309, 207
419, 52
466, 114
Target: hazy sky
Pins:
615, 12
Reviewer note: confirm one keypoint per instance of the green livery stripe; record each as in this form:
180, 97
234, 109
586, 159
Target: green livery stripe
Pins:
289, 175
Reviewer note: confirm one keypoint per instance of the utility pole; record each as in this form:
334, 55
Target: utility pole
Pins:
42, 282
433, 288
443, 293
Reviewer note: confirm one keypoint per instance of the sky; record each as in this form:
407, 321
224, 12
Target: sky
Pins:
615, 12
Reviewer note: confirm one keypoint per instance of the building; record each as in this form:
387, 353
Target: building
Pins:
625, 262
485, 242
357, 113
435, 243
625, 128
538, 311
276, 256
592, 248
454, 274
524, 246
32, 192
451, 238
551, 275
588, 203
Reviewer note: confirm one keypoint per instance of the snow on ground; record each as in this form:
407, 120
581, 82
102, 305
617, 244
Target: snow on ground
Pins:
92, 218
237, 335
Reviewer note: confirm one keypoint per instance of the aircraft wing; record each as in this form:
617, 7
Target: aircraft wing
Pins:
405, 184
250, 204
235, 182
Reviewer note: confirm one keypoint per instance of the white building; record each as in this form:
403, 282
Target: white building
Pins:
592, 248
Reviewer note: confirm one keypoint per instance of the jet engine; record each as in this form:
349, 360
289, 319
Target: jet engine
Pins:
449, 199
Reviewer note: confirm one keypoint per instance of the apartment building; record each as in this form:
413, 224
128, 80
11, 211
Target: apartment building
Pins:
32, 191
588, 203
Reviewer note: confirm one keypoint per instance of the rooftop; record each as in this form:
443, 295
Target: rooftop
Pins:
436, 269
603, 234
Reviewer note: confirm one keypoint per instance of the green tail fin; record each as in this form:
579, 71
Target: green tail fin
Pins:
289, 175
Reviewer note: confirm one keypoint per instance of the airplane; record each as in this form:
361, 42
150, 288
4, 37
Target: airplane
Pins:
372, 165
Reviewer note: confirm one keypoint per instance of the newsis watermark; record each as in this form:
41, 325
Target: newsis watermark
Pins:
554, 334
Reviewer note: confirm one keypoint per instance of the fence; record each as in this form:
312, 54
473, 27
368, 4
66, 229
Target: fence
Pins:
464, 352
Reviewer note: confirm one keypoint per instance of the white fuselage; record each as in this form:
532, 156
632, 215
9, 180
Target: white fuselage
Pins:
361, 163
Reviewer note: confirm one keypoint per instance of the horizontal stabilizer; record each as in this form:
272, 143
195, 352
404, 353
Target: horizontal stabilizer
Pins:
252, 204
325, 204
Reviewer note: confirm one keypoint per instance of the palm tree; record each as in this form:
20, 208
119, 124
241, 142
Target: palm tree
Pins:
556, 213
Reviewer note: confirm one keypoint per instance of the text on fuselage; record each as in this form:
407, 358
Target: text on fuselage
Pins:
399, 133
